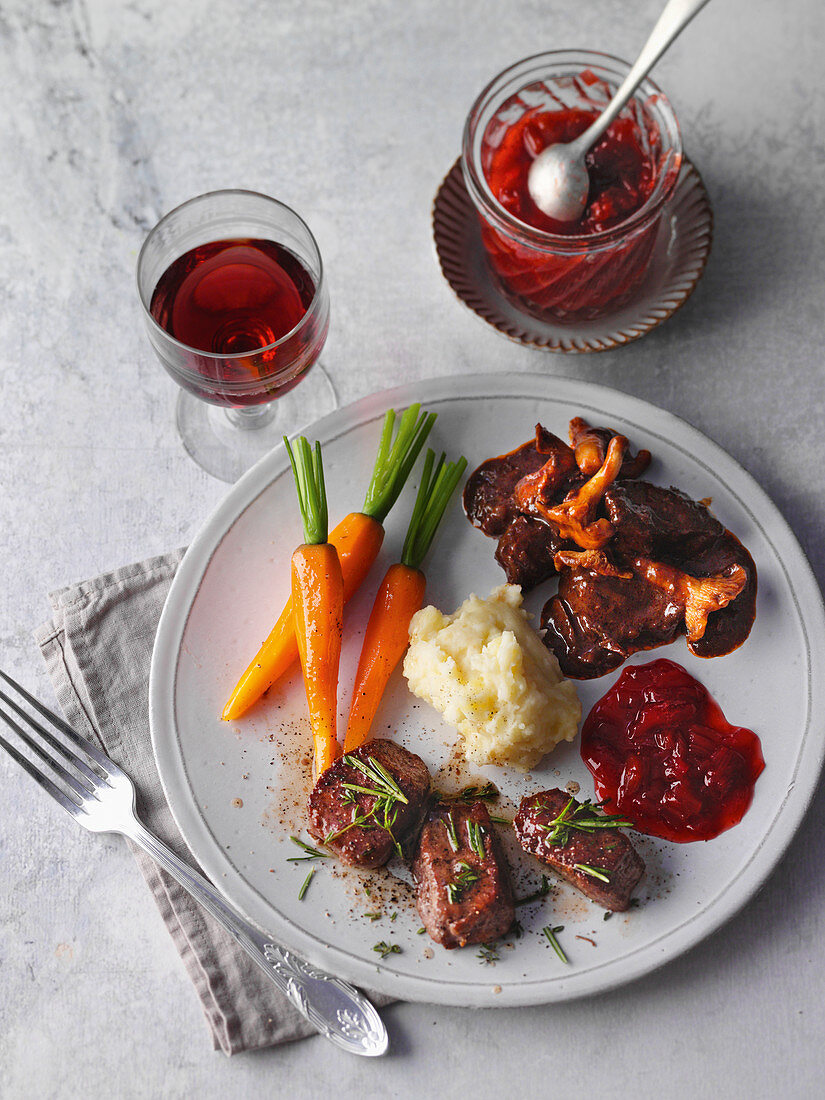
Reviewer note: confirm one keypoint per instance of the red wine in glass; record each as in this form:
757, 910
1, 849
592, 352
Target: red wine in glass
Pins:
235, 298
236, 308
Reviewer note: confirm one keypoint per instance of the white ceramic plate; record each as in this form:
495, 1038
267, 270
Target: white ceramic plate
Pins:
237, 790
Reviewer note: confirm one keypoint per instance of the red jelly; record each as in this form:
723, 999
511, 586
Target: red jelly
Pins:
663, 755
621, 170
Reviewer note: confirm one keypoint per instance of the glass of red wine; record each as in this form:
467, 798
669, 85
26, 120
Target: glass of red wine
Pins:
236, 308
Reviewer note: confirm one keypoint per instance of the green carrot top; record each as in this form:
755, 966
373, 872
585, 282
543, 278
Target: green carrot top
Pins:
434, 492
308, 471
395, 459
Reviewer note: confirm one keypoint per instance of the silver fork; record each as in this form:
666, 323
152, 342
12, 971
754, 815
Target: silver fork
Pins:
101, 798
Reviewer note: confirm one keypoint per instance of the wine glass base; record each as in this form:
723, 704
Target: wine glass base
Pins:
227, 442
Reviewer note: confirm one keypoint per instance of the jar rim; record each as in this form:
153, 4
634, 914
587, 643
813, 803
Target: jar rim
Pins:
649, 97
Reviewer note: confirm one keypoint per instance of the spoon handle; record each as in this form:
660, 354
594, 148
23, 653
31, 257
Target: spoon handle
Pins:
672, 21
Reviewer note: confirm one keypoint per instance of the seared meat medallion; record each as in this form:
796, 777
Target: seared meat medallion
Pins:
368, 801
463, 891
638, 564
579, 844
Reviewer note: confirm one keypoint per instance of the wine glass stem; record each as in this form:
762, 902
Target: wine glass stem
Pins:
249, 417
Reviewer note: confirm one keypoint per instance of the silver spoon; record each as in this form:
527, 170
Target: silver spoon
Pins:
558, 180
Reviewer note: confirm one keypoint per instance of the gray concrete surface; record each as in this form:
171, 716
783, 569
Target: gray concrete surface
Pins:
110, 114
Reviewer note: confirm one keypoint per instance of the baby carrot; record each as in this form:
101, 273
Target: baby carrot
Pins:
357, 538
318, 602
401, 594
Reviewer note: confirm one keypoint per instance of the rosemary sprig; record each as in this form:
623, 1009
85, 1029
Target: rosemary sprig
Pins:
383, 948
476, 835
542, 892
385, 785
357, 820
584, 819
466, 877
500, 820
488, 954
488, 793
373, 916
385, 791
307, 881
550, 933
594, 872
313, 853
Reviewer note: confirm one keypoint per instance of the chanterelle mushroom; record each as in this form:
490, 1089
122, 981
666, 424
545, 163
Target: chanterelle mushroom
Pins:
595, 561
574, 516
590, 447
700, 596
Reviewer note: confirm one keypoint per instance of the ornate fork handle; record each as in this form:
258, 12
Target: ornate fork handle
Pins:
334, 1007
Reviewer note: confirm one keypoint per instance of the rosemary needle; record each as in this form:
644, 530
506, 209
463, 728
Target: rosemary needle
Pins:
593, 872
550, 933
305, 886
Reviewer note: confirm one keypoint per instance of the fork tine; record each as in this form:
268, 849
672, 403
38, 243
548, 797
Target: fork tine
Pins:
80, 789
67, 803
68, 754
100, 758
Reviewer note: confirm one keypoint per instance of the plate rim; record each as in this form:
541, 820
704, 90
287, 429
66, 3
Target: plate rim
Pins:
771, 846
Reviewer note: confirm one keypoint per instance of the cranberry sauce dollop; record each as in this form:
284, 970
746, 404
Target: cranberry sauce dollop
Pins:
622, 173
663, 755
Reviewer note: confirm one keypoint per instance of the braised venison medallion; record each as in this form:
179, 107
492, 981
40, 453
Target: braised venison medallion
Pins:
580, 844
364, 806
463, 891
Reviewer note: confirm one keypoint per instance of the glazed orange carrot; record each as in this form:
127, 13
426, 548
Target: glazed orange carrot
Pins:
357, 538
387, 636
318, 603
401, 594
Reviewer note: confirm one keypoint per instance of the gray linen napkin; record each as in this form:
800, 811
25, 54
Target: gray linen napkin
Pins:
97, 647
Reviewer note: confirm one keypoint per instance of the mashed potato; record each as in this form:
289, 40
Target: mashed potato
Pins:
485, 669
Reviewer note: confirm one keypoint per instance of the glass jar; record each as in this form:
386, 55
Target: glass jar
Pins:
581, 275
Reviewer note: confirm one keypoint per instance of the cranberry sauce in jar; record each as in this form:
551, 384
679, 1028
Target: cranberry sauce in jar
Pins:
663, 754
569, 271
621, 169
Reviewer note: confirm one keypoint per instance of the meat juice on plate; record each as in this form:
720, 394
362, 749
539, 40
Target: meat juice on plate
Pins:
234, 298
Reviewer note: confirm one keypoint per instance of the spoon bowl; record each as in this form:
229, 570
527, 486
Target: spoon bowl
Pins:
559, 182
